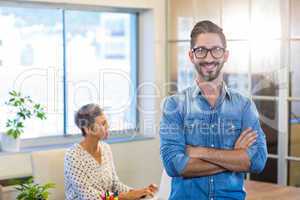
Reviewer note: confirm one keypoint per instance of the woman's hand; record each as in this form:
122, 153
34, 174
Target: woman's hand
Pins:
153, 188
136, 194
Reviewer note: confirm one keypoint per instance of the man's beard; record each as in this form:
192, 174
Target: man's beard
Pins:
211, 75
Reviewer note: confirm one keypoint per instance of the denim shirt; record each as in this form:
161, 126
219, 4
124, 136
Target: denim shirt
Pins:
188, 119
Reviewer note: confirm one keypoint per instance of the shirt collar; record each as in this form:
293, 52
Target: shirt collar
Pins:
196, 90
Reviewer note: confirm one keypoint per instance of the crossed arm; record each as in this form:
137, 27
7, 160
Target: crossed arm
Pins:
249, 153
208, 161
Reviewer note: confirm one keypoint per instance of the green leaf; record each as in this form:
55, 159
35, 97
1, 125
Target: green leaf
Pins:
13, 93
20, 125
22, 115
12, 99
32, 191
17, 103
37, 106
11, 132
41, 115
26, 109
14, 132
8, 123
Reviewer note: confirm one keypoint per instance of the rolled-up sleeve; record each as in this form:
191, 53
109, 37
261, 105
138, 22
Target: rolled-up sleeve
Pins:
258, 151
172, 140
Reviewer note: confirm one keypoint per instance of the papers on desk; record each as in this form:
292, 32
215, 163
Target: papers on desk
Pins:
149, 198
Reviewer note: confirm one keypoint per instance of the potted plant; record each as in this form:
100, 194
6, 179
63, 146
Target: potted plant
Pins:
23, 108
33, 191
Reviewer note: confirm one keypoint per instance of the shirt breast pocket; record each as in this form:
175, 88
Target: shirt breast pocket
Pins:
231, 132
196, 132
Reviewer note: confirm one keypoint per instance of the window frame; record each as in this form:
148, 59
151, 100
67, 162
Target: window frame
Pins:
64, 138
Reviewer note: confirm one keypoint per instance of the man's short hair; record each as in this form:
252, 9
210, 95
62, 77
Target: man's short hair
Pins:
207, 27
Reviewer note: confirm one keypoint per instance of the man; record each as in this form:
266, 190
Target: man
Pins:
210, 134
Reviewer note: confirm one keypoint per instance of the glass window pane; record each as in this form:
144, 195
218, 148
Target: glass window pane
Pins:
294, 173
268, 114
265, 65
269, 174
295, 69
100, 66
294, 130
237, 67
295, 18
236, 19
31, 47
265, 19
208, 10
180, 19
182, 69
265, 51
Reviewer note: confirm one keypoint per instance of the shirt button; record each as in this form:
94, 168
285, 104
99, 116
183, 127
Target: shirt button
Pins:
211, 198
212, 145
212, 180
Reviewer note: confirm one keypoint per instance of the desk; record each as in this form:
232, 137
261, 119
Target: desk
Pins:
267, 191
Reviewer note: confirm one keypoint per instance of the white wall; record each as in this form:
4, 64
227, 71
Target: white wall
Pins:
138, 163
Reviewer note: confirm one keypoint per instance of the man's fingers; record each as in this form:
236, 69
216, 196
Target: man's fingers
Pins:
250, 139
245, 143
250, 143
243, 135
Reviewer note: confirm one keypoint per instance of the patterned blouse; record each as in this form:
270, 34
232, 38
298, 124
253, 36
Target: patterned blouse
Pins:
85, 178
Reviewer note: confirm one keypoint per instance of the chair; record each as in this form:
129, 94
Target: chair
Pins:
48, 166
165, 186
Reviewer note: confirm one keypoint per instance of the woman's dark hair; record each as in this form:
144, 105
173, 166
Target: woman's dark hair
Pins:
85, 117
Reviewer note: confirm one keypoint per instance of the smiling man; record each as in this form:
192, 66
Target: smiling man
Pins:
210, 134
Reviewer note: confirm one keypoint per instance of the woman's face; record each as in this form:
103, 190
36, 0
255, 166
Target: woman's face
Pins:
100, 129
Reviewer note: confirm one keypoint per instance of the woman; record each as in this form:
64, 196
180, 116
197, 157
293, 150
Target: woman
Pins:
89, 168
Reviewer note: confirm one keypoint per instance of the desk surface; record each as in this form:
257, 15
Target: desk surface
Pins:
267, 191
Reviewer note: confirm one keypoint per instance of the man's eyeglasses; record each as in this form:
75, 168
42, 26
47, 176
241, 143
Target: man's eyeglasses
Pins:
215, 52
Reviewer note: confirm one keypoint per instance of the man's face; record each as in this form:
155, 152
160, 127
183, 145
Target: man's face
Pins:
209, 66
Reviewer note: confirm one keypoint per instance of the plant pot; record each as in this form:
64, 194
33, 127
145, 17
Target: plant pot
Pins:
9, 144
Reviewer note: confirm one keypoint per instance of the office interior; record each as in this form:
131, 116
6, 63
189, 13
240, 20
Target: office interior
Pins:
127, 56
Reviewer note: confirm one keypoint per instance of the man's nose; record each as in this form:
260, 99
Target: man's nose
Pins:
209, 57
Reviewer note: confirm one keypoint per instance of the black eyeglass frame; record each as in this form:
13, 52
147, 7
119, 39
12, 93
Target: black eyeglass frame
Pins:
211, 50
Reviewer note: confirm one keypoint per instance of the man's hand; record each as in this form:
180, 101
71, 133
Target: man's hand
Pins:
233, 160
246, 139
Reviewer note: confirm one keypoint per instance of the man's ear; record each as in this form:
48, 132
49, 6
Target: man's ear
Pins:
191, 56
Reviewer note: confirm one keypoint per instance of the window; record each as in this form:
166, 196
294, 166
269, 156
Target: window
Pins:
263, 41
64, 59
32, 50
100, 65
